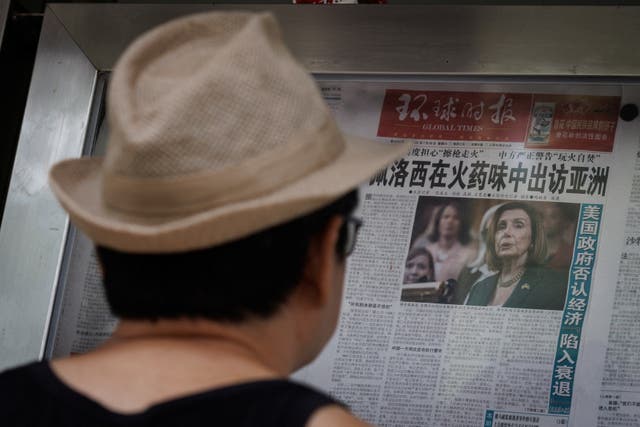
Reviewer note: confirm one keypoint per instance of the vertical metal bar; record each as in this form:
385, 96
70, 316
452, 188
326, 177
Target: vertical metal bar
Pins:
4, 13
34, 227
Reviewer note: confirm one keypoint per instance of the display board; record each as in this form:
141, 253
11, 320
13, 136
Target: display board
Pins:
497, 169
420, 340
427, 345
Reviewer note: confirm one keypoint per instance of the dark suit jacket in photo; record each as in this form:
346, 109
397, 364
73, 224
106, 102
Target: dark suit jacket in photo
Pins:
539, 288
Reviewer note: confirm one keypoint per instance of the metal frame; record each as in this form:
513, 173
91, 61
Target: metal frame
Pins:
4, 14
425, 40
439, 42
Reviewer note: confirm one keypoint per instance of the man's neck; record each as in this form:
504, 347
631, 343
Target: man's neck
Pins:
147, 362
254, 341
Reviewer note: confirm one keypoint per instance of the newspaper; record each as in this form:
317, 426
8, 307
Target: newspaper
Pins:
430, 332
82, 319
85, 320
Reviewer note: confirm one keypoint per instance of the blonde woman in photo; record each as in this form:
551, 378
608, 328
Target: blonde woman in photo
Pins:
516, 251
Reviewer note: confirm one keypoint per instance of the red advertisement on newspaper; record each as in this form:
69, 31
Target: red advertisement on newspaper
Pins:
539, 121
573, 122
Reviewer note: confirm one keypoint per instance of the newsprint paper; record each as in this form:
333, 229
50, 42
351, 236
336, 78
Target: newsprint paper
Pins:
495, 279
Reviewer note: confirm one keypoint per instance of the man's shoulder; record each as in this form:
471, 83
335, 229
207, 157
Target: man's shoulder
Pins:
20, 395
19, 376
335, 415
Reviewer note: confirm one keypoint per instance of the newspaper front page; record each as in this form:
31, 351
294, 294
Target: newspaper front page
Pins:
439, 327
468, 300
619, 344
84, 320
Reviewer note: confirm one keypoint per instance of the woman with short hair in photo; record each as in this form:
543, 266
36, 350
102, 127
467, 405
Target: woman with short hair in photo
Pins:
516, 250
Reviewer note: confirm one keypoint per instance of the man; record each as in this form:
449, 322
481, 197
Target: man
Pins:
222, 218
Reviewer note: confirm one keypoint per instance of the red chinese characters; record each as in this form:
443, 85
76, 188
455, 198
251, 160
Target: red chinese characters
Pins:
540, 121
455, 116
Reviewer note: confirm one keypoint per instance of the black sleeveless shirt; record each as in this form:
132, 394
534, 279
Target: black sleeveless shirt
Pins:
33, 396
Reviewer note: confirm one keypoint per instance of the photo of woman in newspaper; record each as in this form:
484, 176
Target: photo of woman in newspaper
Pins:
517, 251
419, 281
448, 239
544, 246
419, 267
477, 269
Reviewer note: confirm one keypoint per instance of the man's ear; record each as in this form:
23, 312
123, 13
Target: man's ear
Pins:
322, 260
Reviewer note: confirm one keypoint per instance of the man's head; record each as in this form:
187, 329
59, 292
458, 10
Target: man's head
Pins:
246, 278
226, 187
216, 133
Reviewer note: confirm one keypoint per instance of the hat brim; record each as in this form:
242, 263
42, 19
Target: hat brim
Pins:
77, 184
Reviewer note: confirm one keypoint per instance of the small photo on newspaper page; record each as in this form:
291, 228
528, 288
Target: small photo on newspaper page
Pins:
467, 299
488, 252
541, 121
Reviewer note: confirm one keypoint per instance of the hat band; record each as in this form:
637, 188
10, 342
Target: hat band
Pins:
253, 177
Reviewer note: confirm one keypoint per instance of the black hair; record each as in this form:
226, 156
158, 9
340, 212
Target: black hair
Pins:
464, 237
252, 276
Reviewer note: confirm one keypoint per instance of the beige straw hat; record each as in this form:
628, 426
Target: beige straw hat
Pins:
216, 133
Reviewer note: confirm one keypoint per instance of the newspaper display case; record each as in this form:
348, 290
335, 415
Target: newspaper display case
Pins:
505, 103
